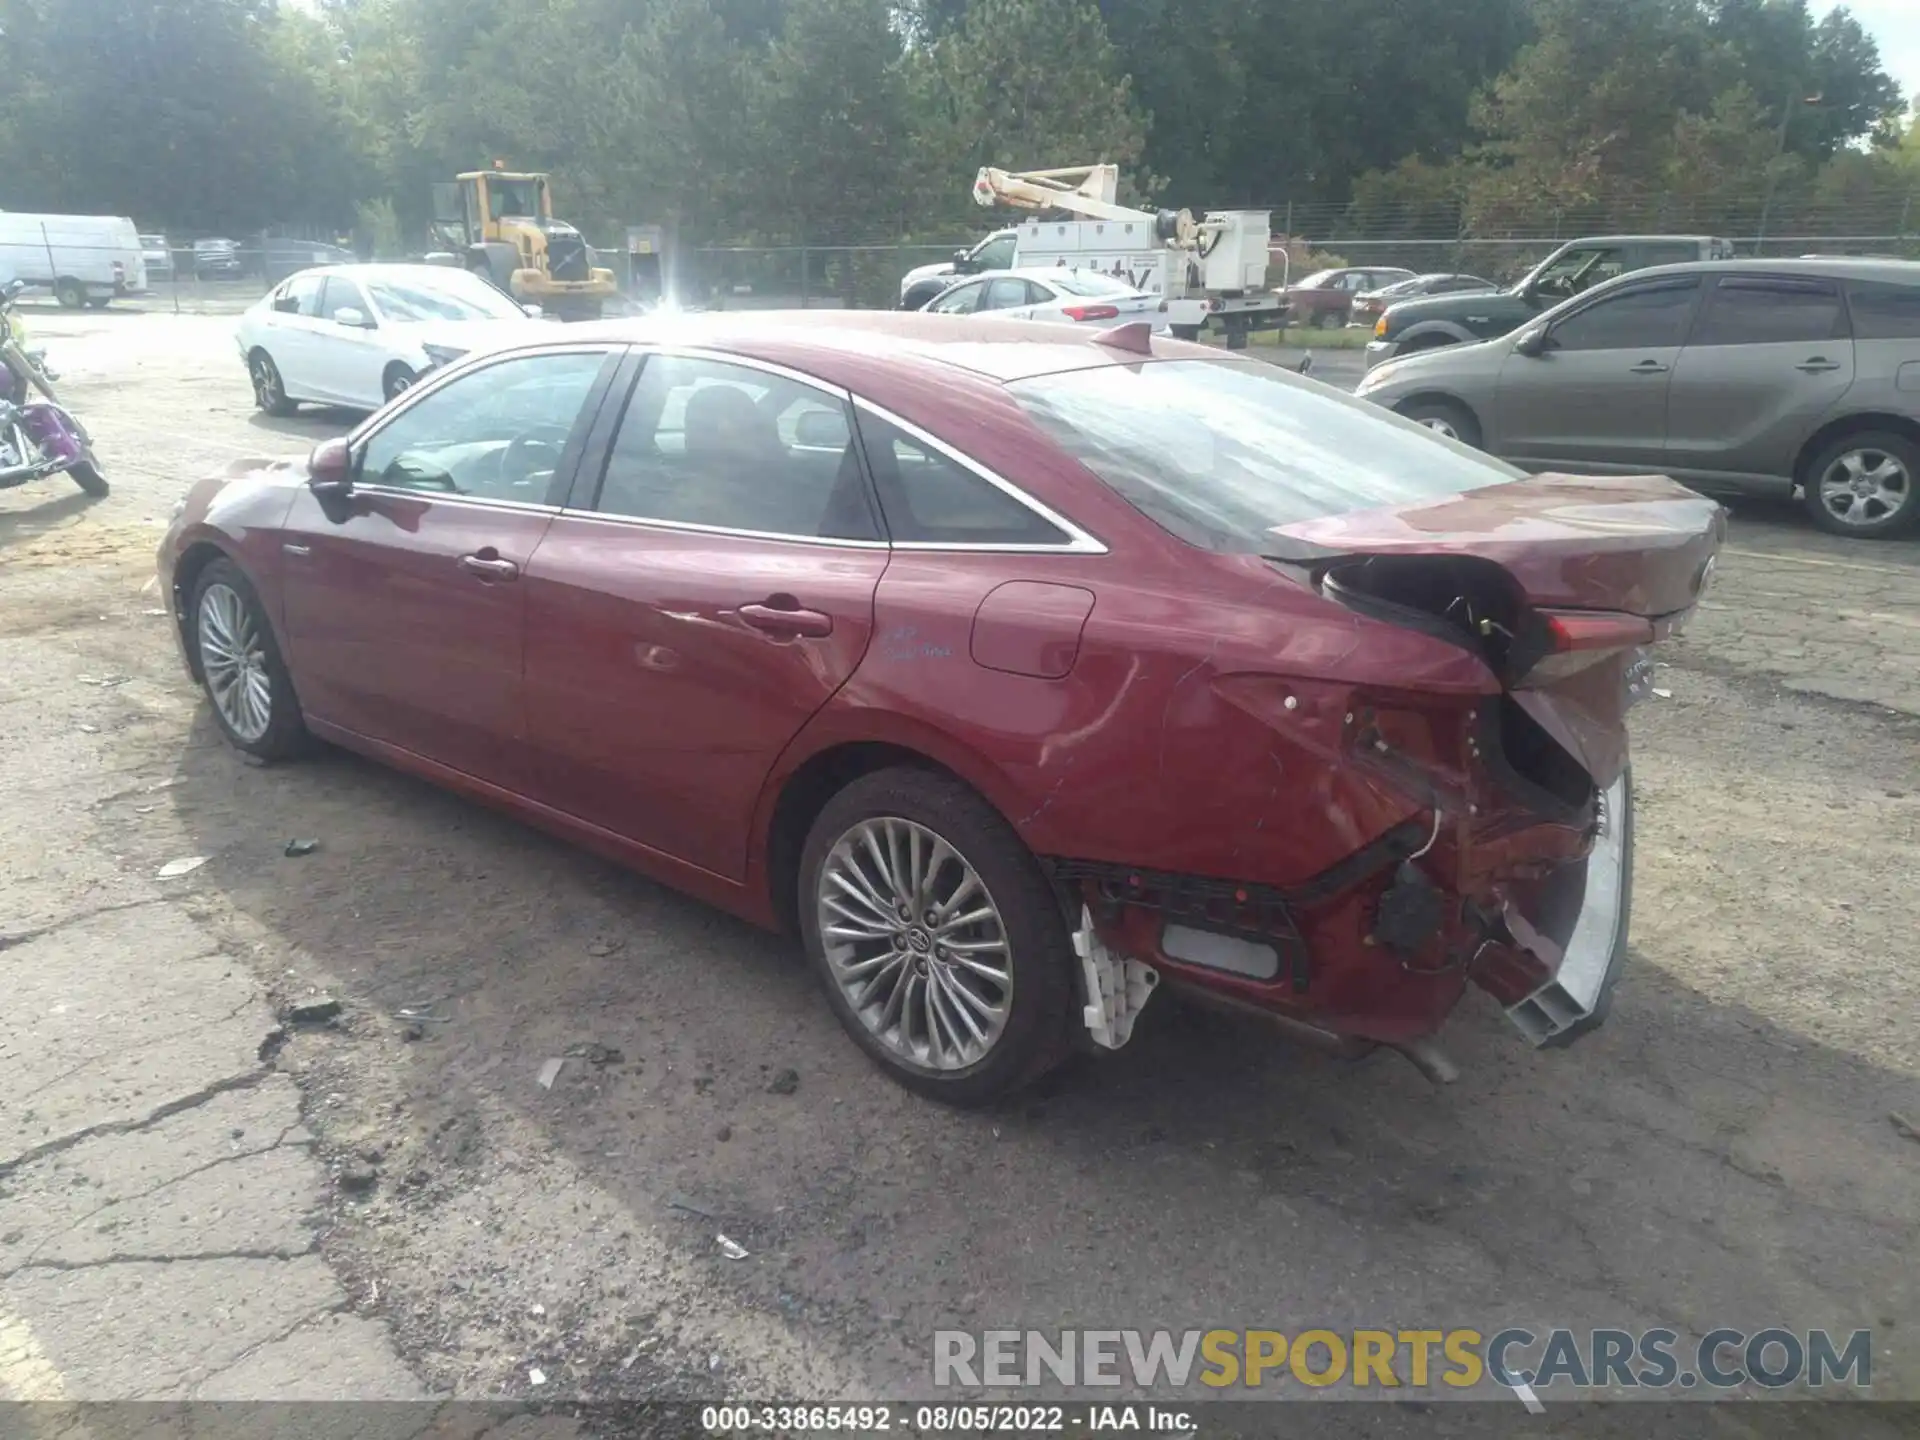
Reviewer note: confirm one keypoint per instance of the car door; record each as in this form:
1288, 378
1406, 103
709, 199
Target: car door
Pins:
1767, 358
1594, 395
1010, 295
960, 300
351, 353
404, 602
700, 598
290, 336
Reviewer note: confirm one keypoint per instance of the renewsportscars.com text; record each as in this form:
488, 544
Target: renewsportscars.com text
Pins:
1227, 1360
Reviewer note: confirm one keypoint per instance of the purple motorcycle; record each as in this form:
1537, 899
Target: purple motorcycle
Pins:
38, 438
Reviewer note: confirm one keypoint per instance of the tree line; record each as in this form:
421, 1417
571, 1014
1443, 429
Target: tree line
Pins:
854, 121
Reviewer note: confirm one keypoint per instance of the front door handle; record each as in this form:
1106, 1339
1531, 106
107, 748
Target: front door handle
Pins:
1817, 365
780, 620
489, 567
1649, 367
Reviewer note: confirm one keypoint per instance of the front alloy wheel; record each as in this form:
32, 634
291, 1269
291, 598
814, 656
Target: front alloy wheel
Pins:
240, 664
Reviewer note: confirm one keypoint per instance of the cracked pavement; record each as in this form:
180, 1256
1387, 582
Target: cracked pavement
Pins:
383, 1208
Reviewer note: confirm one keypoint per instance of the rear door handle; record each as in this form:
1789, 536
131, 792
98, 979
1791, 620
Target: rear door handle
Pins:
490, 567
1649, 367
777, 620
1817, 365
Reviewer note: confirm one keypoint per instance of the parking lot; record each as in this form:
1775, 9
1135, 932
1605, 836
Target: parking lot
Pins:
1739, 1146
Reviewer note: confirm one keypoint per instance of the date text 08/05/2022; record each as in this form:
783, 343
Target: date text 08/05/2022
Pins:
916, 1419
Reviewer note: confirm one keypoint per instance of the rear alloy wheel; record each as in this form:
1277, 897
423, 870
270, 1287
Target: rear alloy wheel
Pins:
397, 381
1866, 485
269, 390
70, 293
944, 951
1443, 417
240, 663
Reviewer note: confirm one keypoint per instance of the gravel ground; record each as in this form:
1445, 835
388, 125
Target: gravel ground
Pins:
1728, 1150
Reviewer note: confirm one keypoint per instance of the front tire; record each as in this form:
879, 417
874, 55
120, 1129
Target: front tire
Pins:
942, 947
269, 389
1865, 485
88, 477
240, 664
397, 381
1444, 417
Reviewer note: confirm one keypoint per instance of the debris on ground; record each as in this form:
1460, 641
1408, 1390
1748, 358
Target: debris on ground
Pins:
679, 1204
536, 1376
421, 1015
105, 682
185, 865
724, 1134
537, 1309
297, 848
89, 729
596, 1054
412, 1033
732, 1249
358, 1177
1903, 1127
314, 1012
600, 949
550, 1072
785, 1082
1663, 694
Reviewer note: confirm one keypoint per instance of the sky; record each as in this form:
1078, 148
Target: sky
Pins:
1895, 26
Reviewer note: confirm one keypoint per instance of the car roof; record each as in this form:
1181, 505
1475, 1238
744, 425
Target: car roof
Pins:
379, 269
870, 350
1899, 272
1642, 240
1040, 272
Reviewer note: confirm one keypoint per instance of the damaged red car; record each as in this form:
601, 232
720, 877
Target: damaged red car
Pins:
1020, 673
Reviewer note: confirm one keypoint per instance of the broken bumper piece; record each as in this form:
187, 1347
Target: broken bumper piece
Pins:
1580, 993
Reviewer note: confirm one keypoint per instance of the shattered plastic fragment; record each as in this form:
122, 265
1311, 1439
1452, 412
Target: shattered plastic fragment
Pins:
549, 1073
732, 1249
185, 865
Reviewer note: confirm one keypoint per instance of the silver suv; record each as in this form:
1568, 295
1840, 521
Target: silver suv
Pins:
1763, 374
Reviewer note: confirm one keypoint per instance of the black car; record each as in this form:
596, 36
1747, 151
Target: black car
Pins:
274, 257
1578, 265
1370, 305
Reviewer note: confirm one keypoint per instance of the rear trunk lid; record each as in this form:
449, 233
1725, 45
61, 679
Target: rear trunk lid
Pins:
1560, 582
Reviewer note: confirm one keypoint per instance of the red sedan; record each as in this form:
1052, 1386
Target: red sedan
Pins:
1017, 671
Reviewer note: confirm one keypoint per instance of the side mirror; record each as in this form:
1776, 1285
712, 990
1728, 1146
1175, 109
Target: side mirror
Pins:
14, 287
1532, 343
534, 310
352, 318
330, 469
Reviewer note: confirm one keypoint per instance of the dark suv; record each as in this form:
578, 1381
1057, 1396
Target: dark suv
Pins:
1576, 266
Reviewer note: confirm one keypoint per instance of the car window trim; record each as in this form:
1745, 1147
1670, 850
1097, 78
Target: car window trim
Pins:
570, 453
1079, 541
582, 499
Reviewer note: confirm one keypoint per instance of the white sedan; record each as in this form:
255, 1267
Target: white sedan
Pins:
1081, 297
357, 335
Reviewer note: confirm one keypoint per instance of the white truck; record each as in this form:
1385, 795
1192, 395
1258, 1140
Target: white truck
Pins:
82, 259
1211, 273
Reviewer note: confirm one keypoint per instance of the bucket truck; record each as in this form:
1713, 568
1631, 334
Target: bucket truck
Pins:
1211, 272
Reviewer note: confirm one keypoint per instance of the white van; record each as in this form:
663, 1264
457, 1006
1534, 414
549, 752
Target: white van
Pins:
83, 259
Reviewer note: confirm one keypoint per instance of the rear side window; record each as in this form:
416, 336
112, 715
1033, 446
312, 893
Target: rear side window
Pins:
1651, 255
727, 447
1884, 312
299, 296
1647, 317
1769, 312
929, 498
1221, 452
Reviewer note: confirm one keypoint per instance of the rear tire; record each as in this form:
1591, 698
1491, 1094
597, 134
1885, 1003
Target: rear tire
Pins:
1025, 937
236, 651
1329, 320
1444, 417
88, 477
69, 292
1865, 486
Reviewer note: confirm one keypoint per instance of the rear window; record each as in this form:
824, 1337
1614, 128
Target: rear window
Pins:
1089, 282
1219, 452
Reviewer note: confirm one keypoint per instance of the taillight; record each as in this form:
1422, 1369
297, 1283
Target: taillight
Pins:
1575, 639
1091, 312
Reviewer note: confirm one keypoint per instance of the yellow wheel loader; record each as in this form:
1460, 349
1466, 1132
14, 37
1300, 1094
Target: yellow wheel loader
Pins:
500, 224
